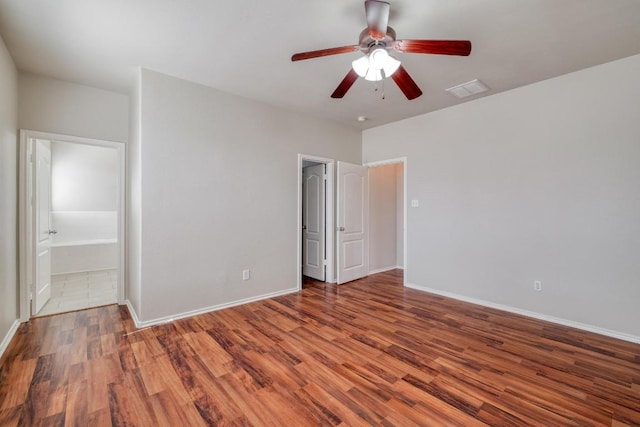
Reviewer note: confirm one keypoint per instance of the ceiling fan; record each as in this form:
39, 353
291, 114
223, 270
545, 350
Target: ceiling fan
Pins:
375, 42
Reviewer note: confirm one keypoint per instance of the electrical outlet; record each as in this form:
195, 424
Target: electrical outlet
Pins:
537, 285
246, 274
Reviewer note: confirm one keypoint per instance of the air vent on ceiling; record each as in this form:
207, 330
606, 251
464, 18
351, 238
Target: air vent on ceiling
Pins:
468, 89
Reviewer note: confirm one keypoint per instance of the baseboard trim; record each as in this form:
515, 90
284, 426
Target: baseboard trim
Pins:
132, 313
167, 319
382, 270
7, 338
583, 326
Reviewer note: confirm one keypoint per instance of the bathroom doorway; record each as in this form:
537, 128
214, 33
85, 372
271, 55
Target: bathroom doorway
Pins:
73, 227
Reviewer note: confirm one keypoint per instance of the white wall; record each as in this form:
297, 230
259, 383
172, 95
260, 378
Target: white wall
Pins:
219, 194
83, 177
55, 106
383, 218
8, 194
538, 183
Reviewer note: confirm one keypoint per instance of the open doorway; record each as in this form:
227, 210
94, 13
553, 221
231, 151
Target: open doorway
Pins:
387, 217
315, 255
71, 212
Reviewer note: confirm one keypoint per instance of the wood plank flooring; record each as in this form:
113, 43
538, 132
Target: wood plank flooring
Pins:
365, 353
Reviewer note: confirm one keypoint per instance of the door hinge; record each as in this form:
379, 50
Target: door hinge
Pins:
324, 262
325, 176
30, 296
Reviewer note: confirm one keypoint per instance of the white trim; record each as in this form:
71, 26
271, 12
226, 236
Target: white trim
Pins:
133, 314
329, 219
583, 326
143, 324
385, 162
84, 271
24, 226
25, 216
7, 338
382, 270
82, 212
402, 160
84, 243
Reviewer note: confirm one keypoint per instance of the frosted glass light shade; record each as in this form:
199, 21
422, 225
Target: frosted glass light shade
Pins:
373, 75
391, 66
361, 66
378, 58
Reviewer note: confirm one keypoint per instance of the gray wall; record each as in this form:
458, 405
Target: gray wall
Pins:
55, 106
538, 183
219, 194
8, 192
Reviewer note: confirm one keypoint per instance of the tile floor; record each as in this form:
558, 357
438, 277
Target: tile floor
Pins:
75, 291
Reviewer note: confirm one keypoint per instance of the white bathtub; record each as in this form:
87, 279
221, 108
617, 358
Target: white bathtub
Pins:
73, 257
85, 241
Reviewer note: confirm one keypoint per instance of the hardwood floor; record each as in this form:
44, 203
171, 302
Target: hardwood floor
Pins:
366, 353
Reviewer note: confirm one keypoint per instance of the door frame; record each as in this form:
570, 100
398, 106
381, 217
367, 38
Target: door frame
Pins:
329, 218
397, 160
38, 301
25, 211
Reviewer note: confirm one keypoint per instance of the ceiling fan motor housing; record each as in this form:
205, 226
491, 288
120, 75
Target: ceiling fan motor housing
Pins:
368, 43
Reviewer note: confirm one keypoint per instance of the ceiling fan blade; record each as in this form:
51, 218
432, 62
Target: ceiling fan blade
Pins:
377, 18
324, 52
345, 84
406, 83
437, 47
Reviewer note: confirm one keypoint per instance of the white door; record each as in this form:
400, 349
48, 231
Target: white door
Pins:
313, 222
353, 222
43, 229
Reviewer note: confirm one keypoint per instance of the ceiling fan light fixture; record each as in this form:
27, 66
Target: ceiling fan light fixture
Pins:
375, 42
375, 66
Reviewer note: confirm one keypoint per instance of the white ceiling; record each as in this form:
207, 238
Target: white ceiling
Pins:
244, 46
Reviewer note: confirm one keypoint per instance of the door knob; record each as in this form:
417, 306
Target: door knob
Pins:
340, 228
304, 227
53, 232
